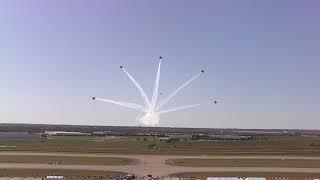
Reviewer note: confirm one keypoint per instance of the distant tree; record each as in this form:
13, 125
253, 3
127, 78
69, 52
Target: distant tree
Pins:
152, 146
145, 139
43, 136
170, 141
314, 144
138, 139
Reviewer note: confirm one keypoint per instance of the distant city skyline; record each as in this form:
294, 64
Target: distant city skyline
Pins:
261, 59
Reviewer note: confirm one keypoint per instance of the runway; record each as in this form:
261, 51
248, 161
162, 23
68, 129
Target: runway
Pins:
156, 164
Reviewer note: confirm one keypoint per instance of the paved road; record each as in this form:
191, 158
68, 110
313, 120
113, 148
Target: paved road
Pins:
156, 164
163, 156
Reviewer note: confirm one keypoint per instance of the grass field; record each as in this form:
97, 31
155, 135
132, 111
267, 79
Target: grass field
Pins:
275, 145
204, 175
65, 160
247, 163
44, 173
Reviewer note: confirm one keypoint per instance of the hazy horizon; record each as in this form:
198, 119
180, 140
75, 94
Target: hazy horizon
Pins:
261, 60
227, 128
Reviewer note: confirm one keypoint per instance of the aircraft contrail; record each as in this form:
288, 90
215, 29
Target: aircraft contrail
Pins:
124, 104
178, 108
142, 93
151, 109
177, 91
156, 87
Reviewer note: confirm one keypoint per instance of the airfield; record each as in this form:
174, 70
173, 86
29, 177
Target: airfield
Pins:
288, 154
142, 165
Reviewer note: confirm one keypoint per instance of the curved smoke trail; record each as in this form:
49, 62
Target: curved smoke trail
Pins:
142, 93
156, 88
178, 108
176, 91
124, 104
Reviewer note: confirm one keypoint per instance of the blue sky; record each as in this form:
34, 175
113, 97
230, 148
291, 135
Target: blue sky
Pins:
261, 60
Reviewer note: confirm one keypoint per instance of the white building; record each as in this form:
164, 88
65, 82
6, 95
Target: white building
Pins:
62, 133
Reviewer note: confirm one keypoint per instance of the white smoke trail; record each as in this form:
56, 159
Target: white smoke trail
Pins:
124, 104
151, 112
177, 90
142, 93
156, 88
178, 108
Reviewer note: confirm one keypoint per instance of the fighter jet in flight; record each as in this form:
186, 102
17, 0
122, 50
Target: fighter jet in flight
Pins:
214, 100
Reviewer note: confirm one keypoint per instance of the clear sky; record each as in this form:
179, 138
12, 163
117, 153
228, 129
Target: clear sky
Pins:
262, 60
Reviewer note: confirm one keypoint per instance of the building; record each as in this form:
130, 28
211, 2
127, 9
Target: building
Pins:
178, 137
229, 137
62, 133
